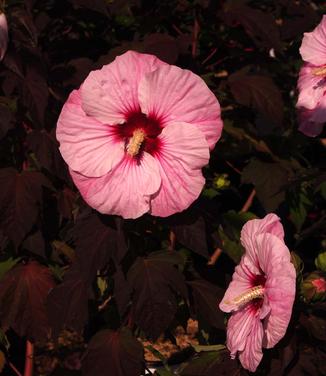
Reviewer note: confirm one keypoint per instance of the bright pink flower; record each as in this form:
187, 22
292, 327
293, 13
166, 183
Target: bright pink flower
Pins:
312, 81
137, 134
261, 293
3, 35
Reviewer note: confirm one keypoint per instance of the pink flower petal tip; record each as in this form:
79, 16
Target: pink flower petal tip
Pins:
312, 81
261, 294
3, 35
136, 136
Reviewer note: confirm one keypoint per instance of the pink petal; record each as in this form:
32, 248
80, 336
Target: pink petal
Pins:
125, 191
111, 93
271, 252
311, 88
269, 224
307, 126
183, 152
252, 354
241, 282
178, 95
313, 47
319, 113
3, 35
239, 328
88, 146
274, 260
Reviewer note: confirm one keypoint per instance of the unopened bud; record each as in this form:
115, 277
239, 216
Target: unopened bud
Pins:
320, 261
313, 288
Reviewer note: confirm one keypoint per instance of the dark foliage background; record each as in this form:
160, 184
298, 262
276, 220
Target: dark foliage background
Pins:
64, 266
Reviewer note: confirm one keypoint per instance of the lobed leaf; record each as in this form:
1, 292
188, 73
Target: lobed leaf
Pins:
155, 282
23, 293
118, 353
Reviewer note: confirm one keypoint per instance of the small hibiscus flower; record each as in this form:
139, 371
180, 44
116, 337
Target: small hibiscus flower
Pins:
312, 81
137, 134
261, 293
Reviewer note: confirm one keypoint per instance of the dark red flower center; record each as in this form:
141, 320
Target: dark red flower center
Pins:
258, 280
139, 133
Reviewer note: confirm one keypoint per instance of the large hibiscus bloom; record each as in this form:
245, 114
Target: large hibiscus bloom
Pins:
312, 81
261, 293
137, 134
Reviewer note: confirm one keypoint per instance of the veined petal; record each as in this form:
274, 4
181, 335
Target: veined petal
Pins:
252, 354
269, 224
111, 93
307, 126
239, 328
241, 282
88, 146
178, 95
313, 47
3, 35
274, 259
125, 191
319, 113
311, 88
183, 152
272, 252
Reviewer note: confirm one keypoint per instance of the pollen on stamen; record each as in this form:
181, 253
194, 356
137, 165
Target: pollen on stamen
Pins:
321, 71
251, 294
135, 142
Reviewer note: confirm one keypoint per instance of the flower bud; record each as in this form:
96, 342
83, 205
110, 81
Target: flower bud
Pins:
313, 288
320, 261
3, 35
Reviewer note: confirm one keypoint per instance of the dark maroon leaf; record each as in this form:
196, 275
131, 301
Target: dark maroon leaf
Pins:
190, 231
23, 293
46, 150
117, 353
96, 243
67, 303
35, 92
300, 17
155, 280
311, 362
35, 243
6, 120
23, 31
260, 26
269, 180
163, 46
81, 68
212, 363
13, 62
99, 6
20, 200
122, 291
207, 297
258, 92
315, 325
30, 4
66, 199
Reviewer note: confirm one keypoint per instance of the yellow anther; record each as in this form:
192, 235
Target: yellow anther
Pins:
251, 294
321, 71
135, 142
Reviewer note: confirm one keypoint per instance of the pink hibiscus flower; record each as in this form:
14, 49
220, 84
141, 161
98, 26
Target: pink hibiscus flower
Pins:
312, 81
261, 293
137, 134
